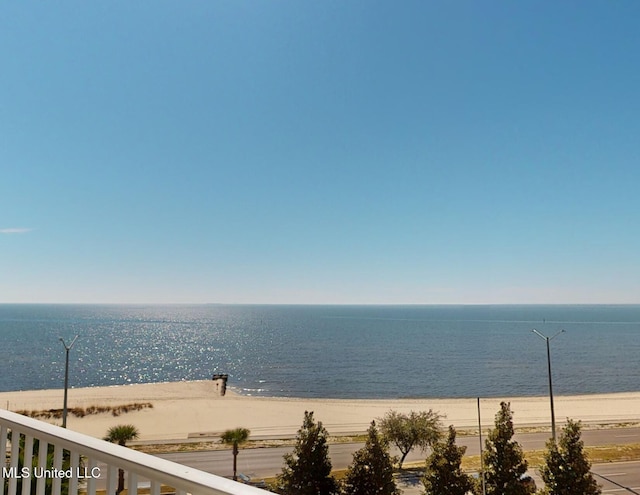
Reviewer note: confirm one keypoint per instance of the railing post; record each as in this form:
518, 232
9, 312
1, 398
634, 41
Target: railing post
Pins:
57, 464
75, 466
15, 456
43, 451
3, 448
91, 483
132, 484
27, 461
112, 479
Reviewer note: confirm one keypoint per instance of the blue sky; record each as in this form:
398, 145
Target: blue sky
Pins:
320, 152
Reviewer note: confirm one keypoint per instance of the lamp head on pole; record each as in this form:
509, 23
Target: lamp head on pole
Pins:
68, 347
544, 336
539, 334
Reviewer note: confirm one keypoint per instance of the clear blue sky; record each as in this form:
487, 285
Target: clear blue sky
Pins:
320, 152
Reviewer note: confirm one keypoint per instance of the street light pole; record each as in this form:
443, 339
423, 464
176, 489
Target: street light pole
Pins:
553, 414
481, 460
67, 348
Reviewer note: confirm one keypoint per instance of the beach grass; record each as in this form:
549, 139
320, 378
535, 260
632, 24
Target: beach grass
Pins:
81, 412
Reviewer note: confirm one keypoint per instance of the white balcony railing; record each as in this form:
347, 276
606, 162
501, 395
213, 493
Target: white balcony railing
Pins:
79, 462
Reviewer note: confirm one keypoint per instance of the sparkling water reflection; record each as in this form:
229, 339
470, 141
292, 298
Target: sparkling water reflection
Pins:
327, 351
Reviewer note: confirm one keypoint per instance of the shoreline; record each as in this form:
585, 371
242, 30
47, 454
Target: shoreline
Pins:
189, 410
232, 391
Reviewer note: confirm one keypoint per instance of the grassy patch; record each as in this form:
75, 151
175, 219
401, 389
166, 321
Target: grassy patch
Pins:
547, 429
535, 458
81, 412
165, 448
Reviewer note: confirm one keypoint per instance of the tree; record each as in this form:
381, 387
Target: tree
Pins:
567, 471
307, 469
443, 474
121, 434
371, 472
235, 437
406, 431
504, 462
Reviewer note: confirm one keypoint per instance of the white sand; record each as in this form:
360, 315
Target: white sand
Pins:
192, 409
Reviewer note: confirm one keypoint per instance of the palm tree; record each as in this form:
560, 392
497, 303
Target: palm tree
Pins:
121, 434
235, 437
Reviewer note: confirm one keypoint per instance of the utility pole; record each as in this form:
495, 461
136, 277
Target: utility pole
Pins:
553, 414
66, 378
481, 459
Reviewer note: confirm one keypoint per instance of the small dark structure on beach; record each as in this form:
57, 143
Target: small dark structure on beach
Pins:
221, 383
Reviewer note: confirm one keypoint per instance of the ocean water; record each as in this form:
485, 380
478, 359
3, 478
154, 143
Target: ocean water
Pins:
327, 351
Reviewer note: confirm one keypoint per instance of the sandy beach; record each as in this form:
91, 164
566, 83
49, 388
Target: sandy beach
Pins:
193, 409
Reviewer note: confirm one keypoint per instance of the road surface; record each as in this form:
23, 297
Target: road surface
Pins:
615, 478
266, 462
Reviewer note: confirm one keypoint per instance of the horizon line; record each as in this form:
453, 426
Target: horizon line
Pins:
147, 303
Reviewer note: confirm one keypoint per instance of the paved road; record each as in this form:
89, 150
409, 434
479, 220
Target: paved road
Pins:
537, 441
265, 462
618, 477
615, 478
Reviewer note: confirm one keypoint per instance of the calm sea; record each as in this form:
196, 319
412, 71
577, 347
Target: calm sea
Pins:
327, 351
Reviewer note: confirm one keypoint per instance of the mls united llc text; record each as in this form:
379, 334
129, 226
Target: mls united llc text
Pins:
52, 473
